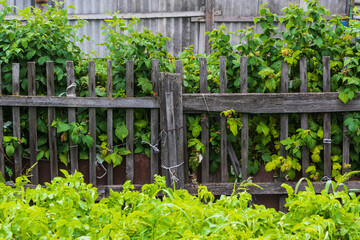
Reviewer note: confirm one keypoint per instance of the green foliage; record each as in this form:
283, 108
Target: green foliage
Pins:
67, 209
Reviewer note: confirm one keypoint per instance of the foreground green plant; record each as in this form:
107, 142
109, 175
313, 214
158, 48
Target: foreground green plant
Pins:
67, 209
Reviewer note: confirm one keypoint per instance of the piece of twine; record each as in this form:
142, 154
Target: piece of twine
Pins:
68, 88
172, 174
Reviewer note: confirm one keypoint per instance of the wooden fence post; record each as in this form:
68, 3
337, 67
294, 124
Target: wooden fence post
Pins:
223, 137
130, 122
284, 118
327, 119
209, 23
32, 124
70, 92
244, 120
110, 142
92, 125
205, 174
16, 118
180, 70
52, 117
154, 157
346, 145
304, 118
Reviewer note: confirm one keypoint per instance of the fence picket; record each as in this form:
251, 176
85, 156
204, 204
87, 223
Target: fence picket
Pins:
154, 155
223, 137
110, 141
180, 70
284, 118
16, 118
51, 117
304, 117
32, 124
2, 159
327, 119
70, 92
92, 125
244, 120
346, 149
204, 122
130, 121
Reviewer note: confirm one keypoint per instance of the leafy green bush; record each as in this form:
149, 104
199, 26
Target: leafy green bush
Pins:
67, 209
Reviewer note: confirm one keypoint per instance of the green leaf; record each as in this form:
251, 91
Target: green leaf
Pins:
30, 54
343, 97
9, 150
62, 127
89, 141
121, 132
196, 130
2, 178
24, 43
40, 155
63, 158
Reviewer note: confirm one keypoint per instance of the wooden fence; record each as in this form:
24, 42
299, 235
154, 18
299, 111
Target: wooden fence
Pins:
168, 120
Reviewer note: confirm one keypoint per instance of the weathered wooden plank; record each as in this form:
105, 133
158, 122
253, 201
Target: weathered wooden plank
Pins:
346, 149
233, 158
180, 70
204, 122
304, 118
164, 86
130, 121
223, 125
2, 158
32, 124
176, 89
92, 125
110, 141
154, 154
327, 119
269, 103
284, 118
74, 102
16, 118
173, 168
51, 117
209, 22
244, 120
70, 92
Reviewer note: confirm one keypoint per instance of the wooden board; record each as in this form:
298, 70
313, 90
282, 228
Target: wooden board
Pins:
284, 118
205, 174
16, 118
244, 120
70, 92
2, 154
109, 120
154, 154
304, 118
92, 125
52, 117
223, 125
130, 121
269, 103
327, 120
32, 124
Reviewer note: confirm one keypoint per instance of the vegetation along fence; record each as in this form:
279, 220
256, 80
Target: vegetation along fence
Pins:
168, 107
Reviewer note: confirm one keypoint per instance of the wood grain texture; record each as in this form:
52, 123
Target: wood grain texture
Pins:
268, 103
346, 149
205, 174
176, 89
209, 22
171, 139
327, 119
2, 159
154, 156
130, 121
70, 92
109, 120
164, 86
234, 160
52, 117
180, 70
92, 125
75, 102
284, 118
32, 124
244, 120
223, 125
304, 118
16, 118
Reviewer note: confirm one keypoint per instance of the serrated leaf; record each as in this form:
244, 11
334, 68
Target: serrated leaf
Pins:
62, 127
64, 159
88, 140
343, 97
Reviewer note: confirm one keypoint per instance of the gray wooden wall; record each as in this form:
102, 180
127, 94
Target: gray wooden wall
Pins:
183, 31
